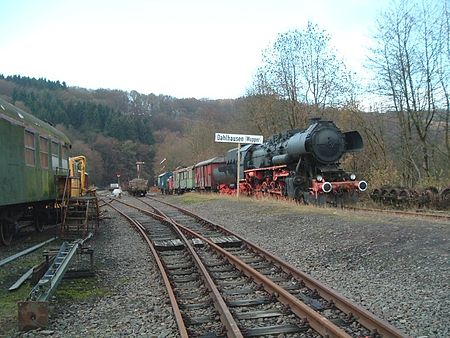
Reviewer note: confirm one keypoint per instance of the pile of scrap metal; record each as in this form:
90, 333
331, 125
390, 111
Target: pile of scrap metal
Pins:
34, 311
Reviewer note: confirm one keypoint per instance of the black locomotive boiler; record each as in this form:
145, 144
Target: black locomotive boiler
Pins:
299, 164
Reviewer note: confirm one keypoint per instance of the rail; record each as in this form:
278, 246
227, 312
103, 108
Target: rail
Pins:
177, 313
316, 321
422, 214
364, 317
25, 252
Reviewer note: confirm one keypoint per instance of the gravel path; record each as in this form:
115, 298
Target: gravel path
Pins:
396, 267
132, 302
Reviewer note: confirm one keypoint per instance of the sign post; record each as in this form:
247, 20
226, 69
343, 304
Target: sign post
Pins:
238, 138
238, 169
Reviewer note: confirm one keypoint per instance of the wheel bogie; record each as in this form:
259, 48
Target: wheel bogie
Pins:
430, 197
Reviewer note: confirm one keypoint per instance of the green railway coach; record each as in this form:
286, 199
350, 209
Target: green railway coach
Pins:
183, 180
33, 168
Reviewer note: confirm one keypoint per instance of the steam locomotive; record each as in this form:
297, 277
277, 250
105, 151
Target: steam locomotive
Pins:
299, 164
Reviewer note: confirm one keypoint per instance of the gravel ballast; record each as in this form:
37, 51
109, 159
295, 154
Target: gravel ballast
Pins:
396, 267
133, 301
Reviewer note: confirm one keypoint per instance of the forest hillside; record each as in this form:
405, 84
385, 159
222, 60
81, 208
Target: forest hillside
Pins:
115, 129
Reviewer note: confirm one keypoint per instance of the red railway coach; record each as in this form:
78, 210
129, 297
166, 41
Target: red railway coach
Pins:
203, 171
170, 184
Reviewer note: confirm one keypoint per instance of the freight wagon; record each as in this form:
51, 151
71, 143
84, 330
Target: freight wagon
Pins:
137, 187
203, 172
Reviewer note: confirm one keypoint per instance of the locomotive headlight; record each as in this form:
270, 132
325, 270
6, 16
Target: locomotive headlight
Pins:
319, 178
352, 177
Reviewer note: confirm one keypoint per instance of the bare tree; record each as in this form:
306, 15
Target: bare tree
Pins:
326, 81
304, 71
262, 105
444, 71
282, 72
406, 60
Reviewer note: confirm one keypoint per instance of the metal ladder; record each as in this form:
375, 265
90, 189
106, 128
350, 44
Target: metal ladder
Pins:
49, 282
34, 312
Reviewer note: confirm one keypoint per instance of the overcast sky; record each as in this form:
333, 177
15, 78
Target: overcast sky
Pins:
192, 48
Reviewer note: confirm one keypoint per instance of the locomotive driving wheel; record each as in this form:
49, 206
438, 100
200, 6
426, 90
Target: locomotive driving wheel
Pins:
7, 230
299, 196
264, 189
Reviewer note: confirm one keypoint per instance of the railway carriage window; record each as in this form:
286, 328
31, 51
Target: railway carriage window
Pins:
29, 148
43, 152
55, 155
65, 161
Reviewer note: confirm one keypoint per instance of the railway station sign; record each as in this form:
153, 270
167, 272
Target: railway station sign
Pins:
238, 138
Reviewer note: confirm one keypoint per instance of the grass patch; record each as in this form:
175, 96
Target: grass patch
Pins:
69, 291
193, 198
272, 206
9, 274
9, 308
79, 290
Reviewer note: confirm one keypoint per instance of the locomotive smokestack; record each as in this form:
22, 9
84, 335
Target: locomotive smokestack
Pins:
313, 120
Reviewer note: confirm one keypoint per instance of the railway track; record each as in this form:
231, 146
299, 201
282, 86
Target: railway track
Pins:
195, 276
423, 214
215, 274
